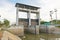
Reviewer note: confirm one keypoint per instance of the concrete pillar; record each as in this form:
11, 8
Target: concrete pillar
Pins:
37, 29
29, 19
28, 16
38, 17
17, 16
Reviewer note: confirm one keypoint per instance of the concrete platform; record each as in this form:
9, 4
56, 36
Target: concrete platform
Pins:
9, 36
19, 31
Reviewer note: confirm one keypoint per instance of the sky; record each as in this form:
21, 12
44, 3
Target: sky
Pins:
8, 9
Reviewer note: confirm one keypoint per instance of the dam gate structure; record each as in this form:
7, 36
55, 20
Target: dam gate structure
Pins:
32, 25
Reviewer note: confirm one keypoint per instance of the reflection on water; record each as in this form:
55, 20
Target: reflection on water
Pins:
42, 36
49, 37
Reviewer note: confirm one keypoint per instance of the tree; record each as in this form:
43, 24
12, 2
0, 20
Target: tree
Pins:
43, 22
1, 24
55, 21
6, 22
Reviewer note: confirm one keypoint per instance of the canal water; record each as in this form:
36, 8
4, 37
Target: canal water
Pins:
49, 37
42, 36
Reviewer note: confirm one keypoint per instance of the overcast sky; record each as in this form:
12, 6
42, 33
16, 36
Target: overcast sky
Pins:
8, 10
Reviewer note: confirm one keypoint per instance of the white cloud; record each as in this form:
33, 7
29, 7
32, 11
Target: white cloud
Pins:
48, 5
7, 10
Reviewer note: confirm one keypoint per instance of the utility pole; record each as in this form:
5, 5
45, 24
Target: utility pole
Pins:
55, 10
51, 12
0, 17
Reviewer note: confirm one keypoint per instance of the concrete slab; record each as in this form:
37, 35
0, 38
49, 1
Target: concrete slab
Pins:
9, 36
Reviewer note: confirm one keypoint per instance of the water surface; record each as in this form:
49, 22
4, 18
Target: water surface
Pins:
42, 36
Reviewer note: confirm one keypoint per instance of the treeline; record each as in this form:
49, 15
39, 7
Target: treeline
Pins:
5, 23
53, 22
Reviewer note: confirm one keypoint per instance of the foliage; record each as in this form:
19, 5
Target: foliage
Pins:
6, 22
1, 24
55, 21
43, 22
58, 26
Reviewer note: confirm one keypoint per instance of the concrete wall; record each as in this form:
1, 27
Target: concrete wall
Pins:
49, 29
18, 30
34, 29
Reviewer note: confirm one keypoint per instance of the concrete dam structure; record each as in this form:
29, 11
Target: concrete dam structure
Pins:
28, 23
